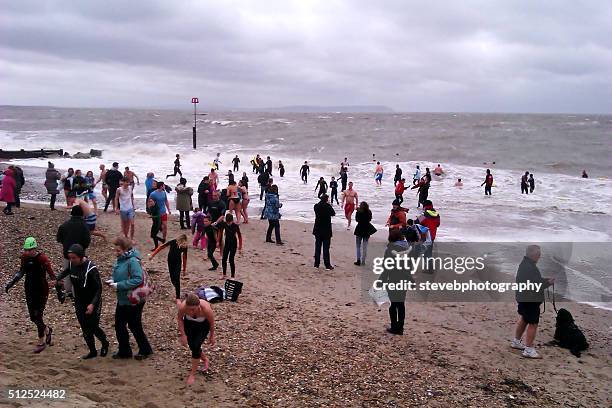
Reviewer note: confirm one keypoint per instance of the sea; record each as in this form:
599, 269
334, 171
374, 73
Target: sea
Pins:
556, 148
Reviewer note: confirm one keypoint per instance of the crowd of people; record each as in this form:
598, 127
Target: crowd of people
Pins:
215, 225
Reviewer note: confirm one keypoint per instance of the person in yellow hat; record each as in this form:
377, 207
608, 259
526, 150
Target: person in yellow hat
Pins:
35, 265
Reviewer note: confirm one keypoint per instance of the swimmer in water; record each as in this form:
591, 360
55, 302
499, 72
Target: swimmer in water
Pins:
281, 168
458, 183
378, 173
584, 174
304, 172
524, 183
438, 170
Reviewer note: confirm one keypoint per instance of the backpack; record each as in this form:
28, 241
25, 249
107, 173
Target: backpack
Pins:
140, 293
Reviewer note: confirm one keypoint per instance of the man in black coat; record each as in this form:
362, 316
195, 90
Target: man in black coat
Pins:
529, 302
322, 231
87, 285
113, 180
73, 231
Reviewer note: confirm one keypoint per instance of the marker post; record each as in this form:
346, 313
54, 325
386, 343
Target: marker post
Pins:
195, 102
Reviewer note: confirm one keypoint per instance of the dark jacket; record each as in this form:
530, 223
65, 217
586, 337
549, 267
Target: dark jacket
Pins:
528, 271
73, 231
364, 226
113, 178
86, 283
19, 179
323, 225
396, 275
52, 176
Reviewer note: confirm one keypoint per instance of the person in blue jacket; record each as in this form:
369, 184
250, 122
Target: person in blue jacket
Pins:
272, 214
127, 275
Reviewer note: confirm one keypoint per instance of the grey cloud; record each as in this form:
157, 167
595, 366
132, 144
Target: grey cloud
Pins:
469, 55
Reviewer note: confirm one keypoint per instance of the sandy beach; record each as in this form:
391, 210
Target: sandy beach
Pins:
298, 336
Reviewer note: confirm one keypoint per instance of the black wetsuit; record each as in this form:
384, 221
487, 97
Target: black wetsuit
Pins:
398, 175
322, 184
87, 287
343, 179
211, 244
175, 263
177, 169
230, 247
245, 182
531, 184
423, 193
269, 166
304, 171
281, 170
333, 185
216, 209
35, 269
236, 162
113, 178
524, 185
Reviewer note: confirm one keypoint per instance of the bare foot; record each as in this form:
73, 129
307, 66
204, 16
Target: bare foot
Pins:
204, 367
190, 379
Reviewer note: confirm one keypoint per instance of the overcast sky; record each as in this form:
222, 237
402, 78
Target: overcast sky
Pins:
483, 56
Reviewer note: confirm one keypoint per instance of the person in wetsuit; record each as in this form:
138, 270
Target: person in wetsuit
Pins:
531, 182
211, 242
236, 162
153, 210
322, 186
304, 172
344, 177
35, 265
333, 185
525, 183
87, 286
281, 168
177, 257
398, 174
233, 241
177, 167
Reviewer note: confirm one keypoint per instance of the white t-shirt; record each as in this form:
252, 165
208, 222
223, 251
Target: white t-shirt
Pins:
125, 198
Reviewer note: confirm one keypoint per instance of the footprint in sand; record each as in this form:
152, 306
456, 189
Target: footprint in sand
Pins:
116, 381
95, 397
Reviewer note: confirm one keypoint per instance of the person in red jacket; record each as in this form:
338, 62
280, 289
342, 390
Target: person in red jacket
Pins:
397, 218
431, 220
400, 187
7, 192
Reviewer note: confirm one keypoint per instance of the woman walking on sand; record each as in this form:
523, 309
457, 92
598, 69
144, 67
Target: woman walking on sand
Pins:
195, 321
35, 266
7, 191
127, 275
177, 258
272, 214
52, 177
363, 231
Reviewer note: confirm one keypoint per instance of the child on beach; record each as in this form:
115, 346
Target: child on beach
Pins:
197, 229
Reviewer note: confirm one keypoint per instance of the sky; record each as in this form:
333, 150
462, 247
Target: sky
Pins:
415, 56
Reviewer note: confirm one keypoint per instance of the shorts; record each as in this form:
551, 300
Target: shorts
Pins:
91, 195
90, 221
127, 215
529, 311
378, 176
164, 217
348, 210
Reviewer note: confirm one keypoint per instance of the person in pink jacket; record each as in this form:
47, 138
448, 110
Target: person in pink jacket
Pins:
7, 193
